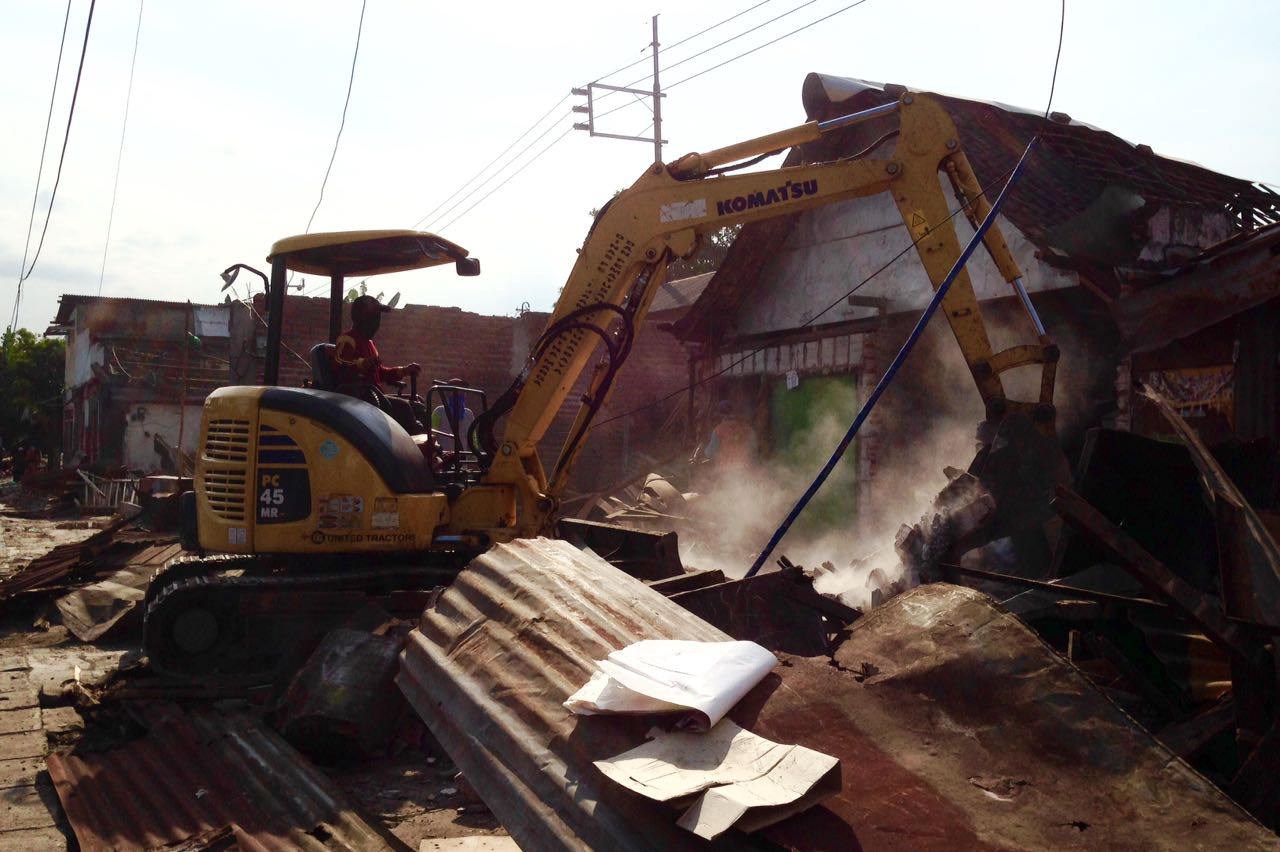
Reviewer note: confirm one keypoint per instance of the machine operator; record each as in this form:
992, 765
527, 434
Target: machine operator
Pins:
357, 365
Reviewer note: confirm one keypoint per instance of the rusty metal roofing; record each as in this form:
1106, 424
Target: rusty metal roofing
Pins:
956, 726
106, 551
967, 731
490, 665
1080, 159
197, 773
68, 302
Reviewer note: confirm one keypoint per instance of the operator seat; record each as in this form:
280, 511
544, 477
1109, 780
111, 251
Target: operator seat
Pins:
323, 377
322, 366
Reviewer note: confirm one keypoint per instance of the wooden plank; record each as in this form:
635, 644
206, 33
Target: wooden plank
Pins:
19, 699
28, 807
1187, 738
17, 721
1201, 609
10, 681
14, 680
61, 720
20, 771
25, 744
34, 838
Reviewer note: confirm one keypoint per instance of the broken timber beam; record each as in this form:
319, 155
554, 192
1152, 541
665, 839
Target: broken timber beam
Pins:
1163, 583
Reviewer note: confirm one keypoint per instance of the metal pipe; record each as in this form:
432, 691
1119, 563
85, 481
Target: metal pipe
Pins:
696, 165
856, 117
336, 284
275, 322
1030, 308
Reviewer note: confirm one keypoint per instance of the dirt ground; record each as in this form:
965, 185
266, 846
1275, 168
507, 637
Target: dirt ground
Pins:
417, 794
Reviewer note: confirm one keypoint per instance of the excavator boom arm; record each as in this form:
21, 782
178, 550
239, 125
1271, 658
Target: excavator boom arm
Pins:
669, 209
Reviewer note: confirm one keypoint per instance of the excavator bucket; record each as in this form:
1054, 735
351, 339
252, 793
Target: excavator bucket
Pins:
1003, 497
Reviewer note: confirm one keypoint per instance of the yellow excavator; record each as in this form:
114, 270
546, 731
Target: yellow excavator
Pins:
307, 501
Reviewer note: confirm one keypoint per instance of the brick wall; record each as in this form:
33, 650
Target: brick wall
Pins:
488, 352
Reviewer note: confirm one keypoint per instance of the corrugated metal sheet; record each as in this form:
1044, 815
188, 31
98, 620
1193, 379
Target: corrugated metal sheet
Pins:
68, 302
108, 608
1075, 163
103, 553
490, 665
201, 772
956, 726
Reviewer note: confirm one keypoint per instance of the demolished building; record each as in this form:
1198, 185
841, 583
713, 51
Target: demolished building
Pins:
1143, 268
137, 373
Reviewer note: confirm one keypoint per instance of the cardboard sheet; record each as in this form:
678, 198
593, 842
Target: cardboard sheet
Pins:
661, 675
744, 779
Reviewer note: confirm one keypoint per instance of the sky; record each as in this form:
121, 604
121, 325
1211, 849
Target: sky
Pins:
236, 105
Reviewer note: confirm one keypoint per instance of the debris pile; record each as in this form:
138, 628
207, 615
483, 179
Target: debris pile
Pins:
1145, 605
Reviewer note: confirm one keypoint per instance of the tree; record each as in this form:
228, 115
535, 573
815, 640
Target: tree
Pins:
708, 257
31, 371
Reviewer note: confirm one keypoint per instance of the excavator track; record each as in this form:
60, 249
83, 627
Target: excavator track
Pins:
243, 616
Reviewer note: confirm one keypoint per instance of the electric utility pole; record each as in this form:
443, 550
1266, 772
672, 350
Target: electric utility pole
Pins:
656, 93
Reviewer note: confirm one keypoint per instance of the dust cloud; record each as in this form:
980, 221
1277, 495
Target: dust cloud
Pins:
844, 538
925, 423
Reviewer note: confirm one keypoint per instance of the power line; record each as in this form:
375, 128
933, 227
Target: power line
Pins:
1057, 57
534, 126
44, 147
486, 181
491, 162
683, 40
57, 72
526, 165
740, 55
120, 155
766, 44
249, 304
554, 142
75, 92
350, 82
726, 41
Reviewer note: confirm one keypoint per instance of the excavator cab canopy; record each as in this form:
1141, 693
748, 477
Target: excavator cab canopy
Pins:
348, 253
343, 254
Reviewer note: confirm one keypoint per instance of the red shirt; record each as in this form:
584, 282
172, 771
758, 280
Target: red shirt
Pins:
356, 361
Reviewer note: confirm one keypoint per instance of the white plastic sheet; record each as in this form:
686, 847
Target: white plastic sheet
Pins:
704, 679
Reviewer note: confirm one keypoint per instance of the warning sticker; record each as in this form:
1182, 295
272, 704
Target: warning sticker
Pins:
340, 511
386, 513
919, 225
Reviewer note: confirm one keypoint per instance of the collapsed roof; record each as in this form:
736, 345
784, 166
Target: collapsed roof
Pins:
1088, 200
